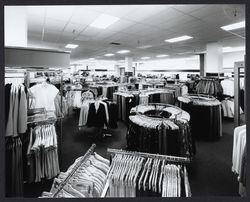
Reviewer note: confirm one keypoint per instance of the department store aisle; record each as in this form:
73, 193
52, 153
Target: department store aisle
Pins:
209, 170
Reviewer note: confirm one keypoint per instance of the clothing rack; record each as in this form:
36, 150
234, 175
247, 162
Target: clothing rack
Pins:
172, 159
237, 73
84, 158
200, 96
165, 105
47, 121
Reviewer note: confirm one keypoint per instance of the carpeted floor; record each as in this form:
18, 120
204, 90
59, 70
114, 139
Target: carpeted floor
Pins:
209, 173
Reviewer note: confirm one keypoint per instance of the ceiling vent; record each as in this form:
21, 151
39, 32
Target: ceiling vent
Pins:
115, 43
234, 11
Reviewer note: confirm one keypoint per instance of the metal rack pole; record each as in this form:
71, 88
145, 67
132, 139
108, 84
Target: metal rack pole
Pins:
148, 155
78, 165
237, 67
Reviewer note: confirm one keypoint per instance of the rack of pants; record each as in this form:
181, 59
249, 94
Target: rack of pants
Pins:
136, 174
13, 167
205, 116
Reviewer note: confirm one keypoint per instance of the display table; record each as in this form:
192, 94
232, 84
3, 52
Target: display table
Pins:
205, 113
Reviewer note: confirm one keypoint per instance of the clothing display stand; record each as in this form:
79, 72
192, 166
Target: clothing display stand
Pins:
238, 66
83, 159
158, 128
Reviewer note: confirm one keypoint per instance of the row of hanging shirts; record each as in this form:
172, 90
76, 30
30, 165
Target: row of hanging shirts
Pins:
42, 154
239, 157
130, 173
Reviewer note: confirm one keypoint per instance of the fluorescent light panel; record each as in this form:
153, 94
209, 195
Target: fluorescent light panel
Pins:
177, 39
123, 51
161, 56
145, 58
109, 54
233, 49
144, 47
71, 46
104, 21
234, 26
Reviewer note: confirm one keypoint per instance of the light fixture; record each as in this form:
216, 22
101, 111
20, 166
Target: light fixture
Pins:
109, 54
144, 47
145, 58
103, 21
177, 39
71, 46
234, 26
123, 51
91, 58
161, 56
233, 49
183, 53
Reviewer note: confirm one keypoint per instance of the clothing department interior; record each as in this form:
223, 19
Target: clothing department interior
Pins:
147, 106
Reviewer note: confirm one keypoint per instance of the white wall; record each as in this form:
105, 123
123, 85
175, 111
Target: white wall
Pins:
230, 58
170, 64
15, 26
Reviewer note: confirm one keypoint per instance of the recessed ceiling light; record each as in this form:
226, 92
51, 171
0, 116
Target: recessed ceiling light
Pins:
123, 51
183, 53
109, 54
144, 47
233, 49
71, 46
103, 21
177, 39
161, 56
234, 26
145, 58
91, 58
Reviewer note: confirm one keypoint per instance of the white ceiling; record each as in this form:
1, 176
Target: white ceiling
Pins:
138, 25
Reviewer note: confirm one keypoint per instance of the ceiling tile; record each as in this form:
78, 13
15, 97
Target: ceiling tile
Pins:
53, 24
187, 8
62, 13
84, 16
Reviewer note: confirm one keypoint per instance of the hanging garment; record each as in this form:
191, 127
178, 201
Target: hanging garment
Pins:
239, 144
17, 111
135, 176
228, 108
96, 115
43, 96
14, 167
42, 155
205, 116
87, 181
158, 135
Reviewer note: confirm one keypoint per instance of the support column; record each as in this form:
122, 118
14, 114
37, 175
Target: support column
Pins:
202, 64
214, 59
15, 26
117, 70
128, 64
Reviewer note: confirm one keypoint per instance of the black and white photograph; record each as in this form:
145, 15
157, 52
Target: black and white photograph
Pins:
125, 101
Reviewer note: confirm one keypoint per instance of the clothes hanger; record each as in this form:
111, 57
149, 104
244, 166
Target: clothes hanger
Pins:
141, 177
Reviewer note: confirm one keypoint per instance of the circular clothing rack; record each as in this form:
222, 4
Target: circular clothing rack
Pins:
160, 128
205, 113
